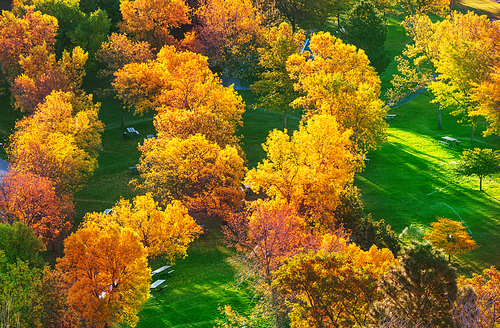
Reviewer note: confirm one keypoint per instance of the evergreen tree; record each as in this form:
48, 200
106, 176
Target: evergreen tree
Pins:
366, 29
420, 289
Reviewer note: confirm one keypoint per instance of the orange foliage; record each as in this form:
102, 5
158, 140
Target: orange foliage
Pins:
19, 35
107, 272
153, 20
32, 200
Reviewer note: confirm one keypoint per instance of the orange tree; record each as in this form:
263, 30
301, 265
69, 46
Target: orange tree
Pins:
107, 272
199, 173
451, 236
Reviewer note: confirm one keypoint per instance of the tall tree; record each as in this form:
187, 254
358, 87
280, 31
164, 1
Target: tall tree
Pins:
229, 33
451, 236
42, 75
107, 272
479, 162
487, 95
163, 232
20, 34
18, 242
420, 289
275, 87
268, 233
153, 21
32, 200
333, 289
337, 79
187, 95
202, 175
59, 142
366, 28
310, 170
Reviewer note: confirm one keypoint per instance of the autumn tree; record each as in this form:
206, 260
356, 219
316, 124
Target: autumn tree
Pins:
20, 34
120, 50
338, 80
59, 141
42, 74
199, 173
480, 301
275, 87
487, 95
366, 28
467, 52
421, 288
417, 7
187, 95
228, 33
32, 200
333, 289
107, 272
163, 232
309, 170
153, 21
479, 162
451, 236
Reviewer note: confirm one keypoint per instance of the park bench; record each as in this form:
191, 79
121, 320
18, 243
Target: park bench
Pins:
130, 133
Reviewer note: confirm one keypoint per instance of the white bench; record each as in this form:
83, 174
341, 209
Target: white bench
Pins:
157, 283
159, 270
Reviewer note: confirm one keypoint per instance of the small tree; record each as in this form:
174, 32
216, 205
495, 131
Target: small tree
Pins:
480, 162
451, 236
366, 29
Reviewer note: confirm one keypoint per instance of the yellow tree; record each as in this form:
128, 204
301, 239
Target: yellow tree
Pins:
309, 170
59, 141
487, 95
338, 80
467, 51
153, 20
228, 33
187, 95
275, 87
42, 74
451, 236
202, 175
163, 232
333, 289
107, 272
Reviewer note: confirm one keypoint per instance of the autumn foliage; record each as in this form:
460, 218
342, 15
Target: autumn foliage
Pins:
308, 170
163, 232
32, 200
202, 175
107, 270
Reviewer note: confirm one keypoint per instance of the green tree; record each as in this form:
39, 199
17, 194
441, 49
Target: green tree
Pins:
19, 243
479, 162
420, 289
366, 28
275, 87
451, 236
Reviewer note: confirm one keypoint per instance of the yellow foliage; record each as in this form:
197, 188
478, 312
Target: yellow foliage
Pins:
163, 232
60, 141
107, 273
202, 175
308, 170
338, 80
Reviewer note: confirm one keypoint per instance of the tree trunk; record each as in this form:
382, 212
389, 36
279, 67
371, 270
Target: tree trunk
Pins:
472, 133
338, 19
440, 127
284, 120
480, 183
123, 118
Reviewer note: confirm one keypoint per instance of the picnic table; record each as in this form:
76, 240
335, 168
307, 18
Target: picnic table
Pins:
449, 141
157, 284
390, 117
130, 133
160, 270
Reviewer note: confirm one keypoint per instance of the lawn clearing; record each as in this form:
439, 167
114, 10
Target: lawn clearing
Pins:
410, 180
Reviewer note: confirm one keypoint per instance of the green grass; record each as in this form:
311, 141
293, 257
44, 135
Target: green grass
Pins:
410, 180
